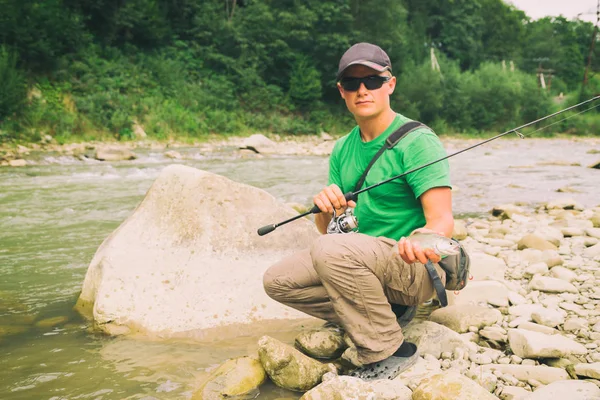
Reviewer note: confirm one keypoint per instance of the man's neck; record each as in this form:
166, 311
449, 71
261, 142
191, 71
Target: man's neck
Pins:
371, 128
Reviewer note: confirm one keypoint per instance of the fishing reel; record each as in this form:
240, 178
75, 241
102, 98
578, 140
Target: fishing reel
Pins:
343, 223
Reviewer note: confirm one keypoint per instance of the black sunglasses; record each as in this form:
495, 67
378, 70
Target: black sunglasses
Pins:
371, 82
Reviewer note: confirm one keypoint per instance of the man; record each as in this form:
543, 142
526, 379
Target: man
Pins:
355, 280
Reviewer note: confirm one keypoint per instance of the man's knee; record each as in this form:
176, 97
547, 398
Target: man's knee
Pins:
273, 284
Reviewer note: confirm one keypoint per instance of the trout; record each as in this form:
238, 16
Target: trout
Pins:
441, 245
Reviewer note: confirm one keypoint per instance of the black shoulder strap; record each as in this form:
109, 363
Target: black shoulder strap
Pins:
437, 283
390, 142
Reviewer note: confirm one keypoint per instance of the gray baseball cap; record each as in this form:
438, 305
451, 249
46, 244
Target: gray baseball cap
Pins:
366, 54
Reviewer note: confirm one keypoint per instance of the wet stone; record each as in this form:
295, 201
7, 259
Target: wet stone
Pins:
289, 368
321, 343
237, 377
52, 322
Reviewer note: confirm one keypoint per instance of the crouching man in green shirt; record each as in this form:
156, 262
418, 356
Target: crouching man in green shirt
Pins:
370, 282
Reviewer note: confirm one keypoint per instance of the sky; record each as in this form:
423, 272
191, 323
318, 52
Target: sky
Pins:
568, 8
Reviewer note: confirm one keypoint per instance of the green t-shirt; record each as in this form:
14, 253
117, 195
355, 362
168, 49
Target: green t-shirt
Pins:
392, 210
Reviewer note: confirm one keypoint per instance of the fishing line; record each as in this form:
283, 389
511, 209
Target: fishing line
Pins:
561, 120
354, 195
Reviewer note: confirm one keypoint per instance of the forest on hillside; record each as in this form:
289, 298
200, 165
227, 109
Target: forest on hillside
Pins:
93, 69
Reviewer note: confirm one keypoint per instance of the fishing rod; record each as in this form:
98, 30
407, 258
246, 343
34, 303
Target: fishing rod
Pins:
354, 195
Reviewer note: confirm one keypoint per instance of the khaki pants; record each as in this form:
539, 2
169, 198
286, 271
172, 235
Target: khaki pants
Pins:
350, 280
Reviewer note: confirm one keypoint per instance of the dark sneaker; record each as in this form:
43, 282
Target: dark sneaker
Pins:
333, 326
389, 368
404, 314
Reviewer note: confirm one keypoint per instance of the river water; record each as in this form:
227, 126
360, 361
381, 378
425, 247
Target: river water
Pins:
54, 215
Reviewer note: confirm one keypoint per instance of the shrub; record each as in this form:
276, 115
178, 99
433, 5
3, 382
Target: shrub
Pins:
13, 87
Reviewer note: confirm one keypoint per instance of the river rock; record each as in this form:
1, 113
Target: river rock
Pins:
552, 258
258, 143
450, 386
237, 377
525, 310
528, 344
530, 326
564, 204
184, 262
572, 232
460, 317
287, 367
530, 256
596, 220
588, 370
476, 292
460, 230
575, 324
515, 298
563, 273
579, 223
423, 368
536, 268
540, 373
484, 266
114, 154
532, 241
567, 389
52, 322
553, 235
432, 338
514, 393
173, 154
322, 343
17, 163
593, 251
593, 232
505, 210
551, 285
548, 317
350, 388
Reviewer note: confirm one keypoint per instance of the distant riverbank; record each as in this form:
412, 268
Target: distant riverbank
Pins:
256, 144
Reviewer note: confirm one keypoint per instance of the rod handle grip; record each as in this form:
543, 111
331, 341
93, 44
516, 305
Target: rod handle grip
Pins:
266, 229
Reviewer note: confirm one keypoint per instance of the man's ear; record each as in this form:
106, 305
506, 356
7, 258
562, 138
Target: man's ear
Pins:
391, 85
341, 89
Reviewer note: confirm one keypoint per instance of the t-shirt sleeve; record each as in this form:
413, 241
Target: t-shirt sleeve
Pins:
422, 147
334, 167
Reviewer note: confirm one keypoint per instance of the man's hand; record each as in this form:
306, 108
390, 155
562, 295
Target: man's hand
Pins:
330, 198
412, 252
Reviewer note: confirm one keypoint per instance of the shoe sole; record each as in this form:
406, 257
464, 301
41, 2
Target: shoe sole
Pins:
389, 368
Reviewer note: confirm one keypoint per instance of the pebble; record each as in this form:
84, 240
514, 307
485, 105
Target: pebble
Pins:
534, 383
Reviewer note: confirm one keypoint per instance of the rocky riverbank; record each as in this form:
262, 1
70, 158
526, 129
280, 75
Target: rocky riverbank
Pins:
526, 328
256, 145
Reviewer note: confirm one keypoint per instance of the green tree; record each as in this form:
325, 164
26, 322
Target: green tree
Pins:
13, 88
305, 83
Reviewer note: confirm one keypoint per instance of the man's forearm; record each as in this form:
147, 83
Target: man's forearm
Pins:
442, 224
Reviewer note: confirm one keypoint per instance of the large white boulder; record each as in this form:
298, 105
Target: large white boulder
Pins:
189, 259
